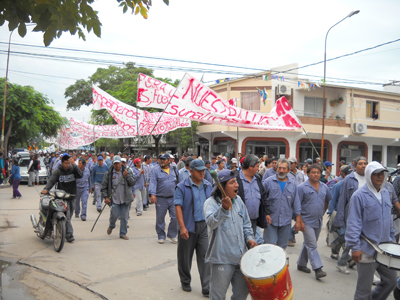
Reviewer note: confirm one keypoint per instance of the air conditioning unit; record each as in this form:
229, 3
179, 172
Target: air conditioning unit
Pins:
345, 153
360, 128
284, 90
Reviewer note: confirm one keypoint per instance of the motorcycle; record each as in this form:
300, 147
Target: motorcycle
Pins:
52, 217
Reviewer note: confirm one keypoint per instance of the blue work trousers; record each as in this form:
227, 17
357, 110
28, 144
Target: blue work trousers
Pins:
222, 276
120, 210
97, 194
82, 196
277, 235
162, 206
309, 250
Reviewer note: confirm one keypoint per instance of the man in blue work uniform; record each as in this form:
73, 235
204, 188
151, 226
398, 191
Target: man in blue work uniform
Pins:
138, 189
98, 172
163, 180
370, 216
271, 171
83, 186
147, 166
214, 165
283, 201
314, 200
350, 184
190, 196
251, 190
338, 241
185, 172
207, 176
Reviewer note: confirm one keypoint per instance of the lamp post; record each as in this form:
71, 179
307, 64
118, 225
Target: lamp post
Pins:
354, 12
3, 141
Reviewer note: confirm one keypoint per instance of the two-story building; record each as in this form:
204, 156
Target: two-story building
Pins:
358, 121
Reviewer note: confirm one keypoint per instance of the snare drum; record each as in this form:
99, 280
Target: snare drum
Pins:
265, 268
390, 257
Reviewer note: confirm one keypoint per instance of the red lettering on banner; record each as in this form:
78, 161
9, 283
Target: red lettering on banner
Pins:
194, 93
291, 122
279, 109
285, 104
142, 97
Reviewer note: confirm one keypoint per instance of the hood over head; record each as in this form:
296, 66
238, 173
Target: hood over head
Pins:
371, 168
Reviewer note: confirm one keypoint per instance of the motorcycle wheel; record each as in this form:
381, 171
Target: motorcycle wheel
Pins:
59, 235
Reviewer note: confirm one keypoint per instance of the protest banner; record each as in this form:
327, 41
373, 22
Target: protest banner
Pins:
67, 141
99, 131
195, 101
122, 114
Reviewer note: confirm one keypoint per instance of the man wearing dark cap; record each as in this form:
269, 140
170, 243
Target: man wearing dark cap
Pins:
327, 173
163, 180
118, 182
98, 172
214, 165
139, 189
65, 177
208, 170
189, 198
181, 164
271, 171
185, 172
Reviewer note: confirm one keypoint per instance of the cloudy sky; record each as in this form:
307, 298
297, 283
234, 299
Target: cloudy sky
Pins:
258, 34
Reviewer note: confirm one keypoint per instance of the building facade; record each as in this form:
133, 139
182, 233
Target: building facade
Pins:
357, 121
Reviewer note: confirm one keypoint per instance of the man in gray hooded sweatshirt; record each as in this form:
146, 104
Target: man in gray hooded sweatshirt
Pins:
370, 216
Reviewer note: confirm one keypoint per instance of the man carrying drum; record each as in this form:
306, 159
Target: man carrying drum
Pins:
229, 234
370, 216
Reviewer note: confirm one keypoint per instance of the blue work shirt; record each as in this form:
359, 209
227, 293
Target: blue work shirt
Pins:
335, 191
147, 171
214, 166
333, 182
393, 196
183, 174
108, 162
369, 217
297, 177
349, 186
252, 195
229, 231
313, 203
197, 196
270, 172
282, 203
98, 173
139, 184
15, 173
162, 184
84, 182
207, 176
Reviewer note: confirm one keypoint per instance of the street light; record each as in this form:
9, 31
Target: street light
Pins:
3, 141
354, 12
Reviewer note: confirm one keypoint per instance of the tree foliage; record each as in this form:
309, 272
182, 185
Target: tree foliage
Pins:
183, 136
53, 17
29, 115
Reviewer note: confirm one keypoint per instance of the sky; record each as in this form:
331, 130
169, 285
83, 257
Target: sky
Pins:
258, 34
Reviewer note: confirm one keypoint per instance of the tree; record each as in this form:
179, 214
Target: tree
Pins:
119, 82
183, 136
29, 116
53, 17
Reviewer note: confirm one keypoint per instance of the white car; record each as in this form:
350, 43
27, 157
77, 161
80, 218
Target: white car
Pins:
23, 167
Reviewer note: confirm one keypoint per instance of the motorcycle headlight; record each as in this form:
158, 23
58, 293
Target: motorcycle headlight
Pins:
51, 193
60, 194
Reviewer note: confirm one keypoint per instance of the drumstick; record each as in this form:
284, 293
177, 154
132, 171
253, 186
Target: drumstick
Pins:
214, 176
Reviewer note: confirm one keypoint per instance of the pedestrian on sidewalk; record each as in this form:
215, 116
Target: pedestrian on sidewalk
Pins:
190, 196
121, 180
16, 178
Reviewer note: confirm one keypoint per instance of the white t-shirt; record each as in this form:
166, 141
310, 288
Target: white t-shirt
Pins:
361, 180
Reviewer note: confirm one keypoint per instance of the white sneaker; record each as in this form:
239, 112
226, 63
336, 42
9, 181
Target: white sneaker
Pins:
161, 241
343, 269
173, 240
376, 280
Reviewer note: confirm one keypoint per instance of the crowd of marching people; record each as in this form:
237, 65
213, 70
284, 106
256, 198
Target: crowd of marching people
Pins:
222, 207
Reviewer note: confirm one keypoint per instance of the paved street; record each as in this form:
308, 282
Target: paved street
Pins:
98, 266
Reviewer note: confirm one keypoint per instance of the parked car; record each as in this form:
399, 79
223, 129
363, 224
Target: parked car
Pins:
23, 166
